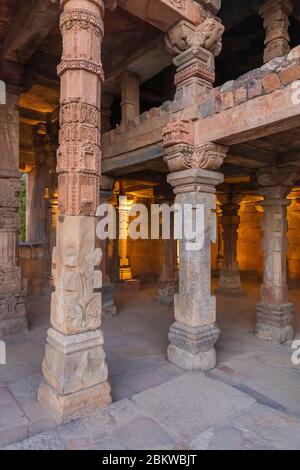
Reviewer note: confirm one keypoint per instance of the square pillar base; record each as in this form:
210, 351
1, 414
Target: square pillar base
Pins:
12, 314
68, 407
166, 295
193, 347
108, 305
274, 322
230, 284
75, 375
231, 291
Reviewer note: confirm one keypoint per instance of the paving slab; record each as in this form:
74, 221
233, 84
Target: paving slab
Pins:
13, 423
191, 403
257, 428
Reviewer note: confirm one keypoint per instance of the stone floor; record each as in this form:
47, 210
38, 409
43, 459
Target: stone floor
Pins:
251, 400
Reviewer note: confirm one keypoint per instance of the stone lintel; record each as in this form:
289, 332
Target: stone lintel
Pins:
195, 180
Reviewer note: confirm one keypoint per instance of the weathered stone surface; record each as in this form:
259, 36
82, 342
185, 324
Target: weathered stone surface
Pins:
74, 362
276, 22
74, 367
274, 312
290, 74
194, 334
271, 82
67, 407
229, 279
191, 406
257, 428
12, 302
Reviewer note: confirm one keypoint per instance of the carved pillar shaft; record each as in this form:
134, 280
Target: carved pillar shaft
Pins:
193, 336
276, 14
108, 288
106, 112
52, 226
12, 302
36, 210
230, 281
74, 368
125, 268
130, 95
168, 280
275, 312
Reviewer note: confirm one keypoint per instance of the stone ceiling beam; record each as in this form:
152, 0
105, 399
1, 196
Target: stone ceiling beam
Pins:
31, 25
163, 14
147, 61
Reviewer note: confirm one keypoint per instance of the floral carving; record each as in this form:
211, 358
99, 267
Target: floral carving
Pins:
184, 35
177, 132
182, 156
180, 4
209, 156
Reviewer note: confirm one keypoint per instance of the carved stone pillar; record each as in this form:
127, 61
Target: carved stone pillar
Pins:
52, 225
130, 96
123, 212
220, 252
194, 48
12, 302
168, 280
276, 14
193, 336
108, 288
230, 280
106, 112
274, 311
38, 181
75, 371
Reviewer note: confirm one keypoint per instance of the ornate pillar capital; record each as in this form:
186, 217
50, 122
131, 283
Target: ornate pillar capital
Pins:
182, 154
276, 183
194, 49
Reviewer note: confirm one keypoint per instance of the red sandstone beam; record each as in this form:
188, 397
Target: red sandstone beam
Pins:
32, 24
163, 14
253, 119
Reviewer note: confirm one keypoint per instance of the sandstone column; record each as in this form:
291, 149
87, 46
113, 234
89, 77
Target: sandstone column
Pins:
37, 183
75, 371
130, 96
12, 301
230, 280
275, 312
194, 178
108, 288
193, 336
106, 112
168, 280
276, 14
52, 225
125, 268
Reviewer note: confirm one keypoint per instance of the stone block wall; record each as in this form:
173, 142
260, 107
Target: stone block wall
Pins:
274, 75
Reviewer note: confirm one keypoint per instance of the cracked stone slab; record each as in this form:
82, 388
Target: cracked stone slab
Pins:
13, 423
194, 403
257, 428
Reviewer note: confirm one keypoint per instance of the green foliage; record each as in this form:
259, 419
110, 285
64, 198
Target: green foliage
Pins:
22, 230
